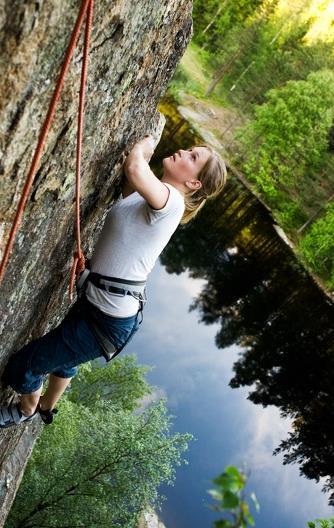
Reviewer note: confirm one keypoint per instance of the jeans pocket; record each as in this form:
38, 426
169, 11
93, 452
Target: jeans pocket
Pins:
133, 331
128, 335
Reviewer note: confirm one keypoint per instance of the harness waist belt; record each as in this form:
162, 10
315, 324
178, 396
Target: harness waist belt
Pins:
115, 285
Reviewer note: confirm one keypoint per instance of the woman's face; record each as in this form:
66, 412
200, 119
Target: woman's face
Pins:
185, 165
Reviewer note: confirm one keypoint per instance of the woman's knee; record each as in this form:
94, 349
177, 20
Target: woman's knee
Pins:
65, 372
19, 376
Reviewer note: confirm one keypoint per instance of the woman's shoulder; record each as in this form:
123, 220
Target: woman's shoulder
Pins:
175, 197
174, 206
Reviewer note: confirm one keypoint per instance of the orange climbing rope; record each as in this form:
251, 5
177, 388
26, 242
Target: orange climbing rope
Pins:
79, 259
86, 9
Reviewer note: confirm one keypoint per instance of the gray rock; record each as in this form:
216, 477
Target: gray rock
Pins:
135, 49
149, 519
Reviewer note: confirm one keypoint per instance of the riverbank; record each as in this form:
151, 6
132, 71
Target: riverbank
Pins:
217, 125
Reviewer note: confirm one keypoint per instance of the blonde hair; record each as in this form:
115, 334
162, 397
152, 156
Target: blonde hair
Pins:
213, 177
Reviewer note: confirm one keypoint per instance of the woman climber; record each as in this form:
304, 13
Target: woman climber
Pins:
106, 315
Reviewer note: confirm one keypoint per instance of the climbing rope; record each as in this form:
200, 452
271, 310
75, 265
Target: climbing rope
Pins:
86, 9
79, 259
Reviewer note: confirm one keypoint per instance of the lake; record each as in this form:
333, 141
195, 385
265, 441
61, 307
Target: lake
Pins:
249, 367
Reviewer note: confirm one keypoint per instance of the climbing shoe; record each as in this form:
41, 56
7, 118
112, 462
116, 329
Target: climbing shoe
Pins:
11, 415
47, 416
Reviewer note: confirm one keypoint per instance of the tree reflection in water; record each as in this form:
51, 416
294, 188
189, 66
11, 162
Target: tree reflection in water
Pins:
265, 302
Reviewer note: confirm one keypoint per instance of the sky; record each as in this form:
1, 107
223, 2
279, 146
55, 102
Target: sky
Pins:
229, 429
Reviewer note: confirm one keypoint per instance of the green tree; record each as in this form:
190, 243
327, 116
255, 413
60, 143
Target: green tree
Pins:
100, 464
317, 246
122, 382
214, 18
252, 47
286, 146
230, 495
272, 53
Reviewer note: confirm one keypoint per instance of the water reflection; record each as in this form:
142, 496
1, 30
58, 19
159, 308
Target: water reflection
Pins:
264, 301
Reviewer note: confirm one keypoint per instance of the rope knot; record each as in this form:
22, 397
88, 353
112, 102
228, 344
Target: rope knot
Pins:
78, 266
80, 262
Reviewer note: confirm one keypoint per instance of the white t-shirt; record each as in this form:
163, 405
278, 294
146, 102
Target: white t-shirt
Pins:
131, 240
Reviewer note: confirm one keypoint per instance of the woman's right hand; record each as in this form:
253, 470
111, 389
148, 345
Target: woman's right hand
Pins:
140, 177
146, 146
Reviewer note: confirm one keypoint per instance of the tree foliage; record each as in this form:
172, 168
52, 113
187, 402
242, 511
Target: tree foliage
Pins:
271, 48
101, 463
318, 245
122, 382
321, 523
213, 19
229, 495
287, 142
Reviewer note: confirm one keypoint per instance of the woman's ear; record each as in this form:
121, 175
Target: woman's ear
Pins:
193, 185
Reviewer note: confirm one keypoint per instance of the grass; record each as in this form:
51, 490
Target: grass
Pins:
193, 76
193, 65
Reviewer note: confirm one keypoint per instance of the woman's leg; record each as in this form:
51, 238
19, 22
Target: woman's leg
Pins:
58, 352
47, 402
29, 402
56, 388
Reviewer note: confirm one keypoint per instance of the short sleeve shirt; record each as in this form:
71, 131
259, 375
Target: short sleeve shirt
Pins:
132, 238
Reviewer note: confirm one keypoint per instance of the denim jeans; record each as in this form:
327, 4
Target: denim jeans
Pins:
60, 351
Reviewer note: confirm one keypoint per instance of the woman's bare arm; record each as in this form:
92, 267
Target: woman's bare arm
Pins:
126, 187
140, 177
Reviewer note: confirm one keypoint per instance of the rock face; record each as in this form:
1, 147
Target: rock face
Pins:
150, 519
134, 51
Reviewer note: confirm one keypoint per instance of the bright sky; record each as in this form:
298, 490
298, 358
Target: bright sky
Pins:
321, 12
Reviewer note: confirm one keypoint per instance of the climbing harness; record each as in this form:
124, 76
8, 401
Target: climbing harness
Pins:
90, 314
116, 286
86, 10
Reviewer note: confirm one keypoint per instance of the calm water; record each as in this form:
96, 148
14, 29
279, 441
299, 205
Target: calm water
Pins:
194, 375
249, 368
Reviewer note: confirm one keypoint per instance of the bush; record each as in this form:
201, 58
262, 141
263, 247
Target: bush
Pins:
100, 463
318, 245
286, 144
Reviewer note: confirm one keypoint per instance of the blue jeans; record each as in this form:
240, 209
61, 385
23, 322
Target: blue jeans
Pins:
60, 351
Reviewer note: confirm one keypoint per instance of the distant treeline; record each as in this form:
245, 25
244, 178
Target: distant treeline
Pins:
274, 65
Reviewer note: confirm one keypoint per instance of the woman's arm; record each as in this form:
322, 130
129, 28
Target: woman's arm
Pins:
126, 187
140, 177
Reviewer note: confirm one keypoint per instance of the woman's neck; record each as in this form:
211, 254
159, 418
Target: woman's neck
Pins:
178, 186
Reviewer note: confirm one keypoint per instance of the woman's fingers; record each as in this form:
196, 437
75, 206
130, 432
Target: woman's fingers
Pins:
147, 146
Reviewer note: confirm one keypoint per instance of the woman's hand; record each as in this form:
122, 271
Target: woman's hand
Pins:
145, 146
139, 176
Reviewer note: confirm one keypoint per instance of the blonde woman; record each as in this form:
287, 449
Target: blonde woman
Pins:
107, 314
